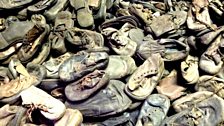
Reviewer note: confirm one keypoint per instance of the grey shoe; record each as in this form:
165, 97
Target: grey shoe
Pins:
107, 102
81, 64
208, 112
13, 4
154, 110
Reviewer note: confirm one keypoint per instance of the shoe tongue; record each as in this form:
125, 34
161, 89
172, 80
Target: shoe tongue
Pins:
22, 70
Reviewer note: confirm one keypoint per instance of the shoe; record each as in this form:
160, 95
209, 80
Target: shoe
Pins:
189, 69
84, 39
62, 22
50, 84
107, 102
167, 23
43, 54
52, 12
86, 86
9, 37
208, 112
212, 84
170, 86
11, 115
210, 61
82, 63
143, 81
49, 107
154, 110
72, 117
169, 49
84, 15
53, 64
120, 66
35, 40
13, 4
41, 6
190, 99
37, 70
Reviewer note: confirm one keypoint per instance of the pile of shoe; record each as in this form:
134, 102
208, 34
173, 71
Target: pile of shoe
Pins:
111, 63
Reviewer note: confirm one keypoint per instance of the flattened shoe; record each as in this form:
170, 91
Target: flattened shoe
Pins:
81, 64
13, 4
53, 64
189, 69
208, 112
41, 6
169, 86
107, 102
48, 106
143, 81
84, 39
72, 117
212, 84
120, 66
10, 36
86, 86
84, 15
154, 110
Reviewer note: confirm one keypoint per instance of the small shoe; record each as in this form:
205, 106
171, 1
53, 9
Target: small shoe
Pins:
52, 12
53, 64
86, 86
84, 15
208, 112
211, 60
82, 63
154, 110
13, 4
84, 39
120, 66
41, 6
49, 107
189, 69
143, 81
212, 84
169, 86
72, 117
107, 102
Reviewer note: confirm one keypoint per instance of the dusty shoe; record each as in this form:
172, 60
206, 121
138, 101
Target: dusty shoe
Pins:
35, 39
9, 37
208, 112
84, 39
35, 98
84, 15
153, 111
52, 12
170, 87
210, 61
189, 69
120, 66
43, 54
11, 115
169, 49
62, 22
81, 64
168, 23
109, 101
41, 6
143, 81
190, 99
212, 84
86, 86
72, 117
13, 4
53, 64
